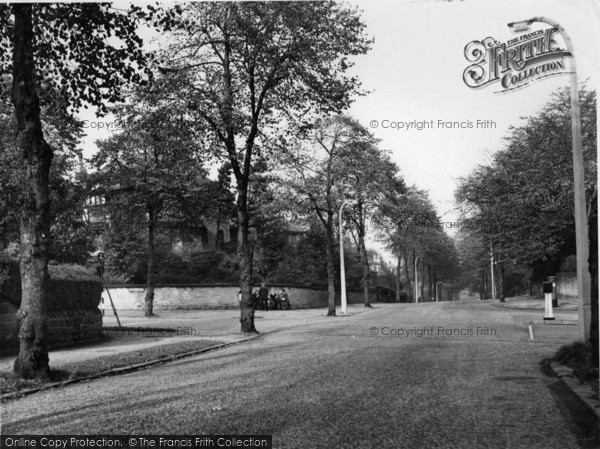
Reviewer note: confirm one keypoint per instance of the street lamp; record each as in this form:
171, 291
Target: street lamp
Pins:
581, 226
417, 279
342, 265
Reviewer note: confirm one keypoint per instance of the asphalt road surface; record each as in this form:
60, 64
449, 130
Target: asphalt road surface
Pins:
463, 375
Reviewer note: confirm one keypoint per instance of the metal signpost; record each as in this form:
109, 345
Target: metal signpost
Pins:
100, 258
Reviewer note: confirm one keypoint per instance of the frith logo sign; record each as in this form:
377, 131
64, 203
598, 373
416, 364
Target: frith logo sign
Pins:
517, 62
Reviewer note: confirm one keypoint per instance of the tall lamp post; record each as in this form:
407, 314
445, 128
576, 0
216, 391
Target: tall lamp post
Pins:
581, 225
342, 264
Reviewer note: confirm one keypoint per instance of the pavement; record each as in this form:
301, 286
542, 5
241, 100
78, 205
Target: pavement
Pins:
222, 326
528, 303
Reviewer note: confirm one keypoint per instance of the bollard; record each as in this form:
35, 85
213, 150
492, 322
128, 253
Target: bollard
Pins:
548, 316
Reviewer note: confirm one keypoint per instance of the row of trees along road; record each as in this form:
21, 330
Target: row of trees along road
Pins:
337, 160
407, 222
523, 200
236, 67
241, 67
234, 77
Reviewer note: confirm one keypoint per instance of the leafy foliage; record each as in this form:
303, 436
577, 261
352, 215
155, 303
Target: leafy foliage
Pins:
150, 174
84, 52
71, 238
243, 67
527, 190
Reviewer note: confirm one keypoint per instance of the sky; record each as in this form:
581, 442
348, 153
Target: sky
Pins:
414, 73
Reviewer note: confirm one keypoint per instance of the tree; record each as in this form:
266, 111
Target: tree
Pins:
245, 66
367, 174
314, 177
409, 222
266, 209
62, 49
523, 200
150, 167
70, 237
527, 191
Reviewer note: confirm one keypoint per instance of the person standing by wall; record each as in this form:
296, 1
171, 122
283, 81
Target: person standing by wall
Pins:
263, 296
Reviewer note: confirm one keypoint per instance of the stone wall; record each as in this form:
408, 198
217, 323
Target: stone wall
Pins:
566, 285
215, 296
65, 328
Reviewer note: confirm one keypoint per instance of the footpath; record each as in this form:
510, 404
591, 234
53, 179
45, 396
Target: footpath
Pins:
176, 326
141, 342
564, 314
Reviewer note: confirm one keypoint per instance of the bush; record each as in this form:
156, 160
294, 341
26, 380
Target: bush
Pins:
72, 287
203, 262
578, 356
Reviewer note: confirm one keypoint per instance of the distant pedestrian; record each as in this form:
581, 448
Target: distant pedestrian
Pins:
263, 296
273, 302
284, 301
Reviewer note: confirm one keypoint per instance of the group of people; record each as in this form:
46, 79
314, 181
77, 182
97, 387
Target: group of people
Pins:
263, 300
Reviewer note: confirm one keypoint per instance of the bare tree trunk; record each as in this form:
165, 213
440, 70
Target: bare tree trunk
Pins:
330, 266
484, 283
423, 283
149, 299
32, 361
429, 283
245, 256
501, 293
398, 282
593, 268
408, 284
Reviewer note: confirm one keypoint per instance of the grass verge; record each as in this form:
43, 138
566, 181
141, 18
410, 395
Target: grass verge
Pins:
9, 383
578, 356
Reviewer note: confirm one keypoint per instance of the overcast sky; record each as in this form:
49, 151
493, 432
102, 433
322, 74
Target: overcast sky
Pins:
415, 73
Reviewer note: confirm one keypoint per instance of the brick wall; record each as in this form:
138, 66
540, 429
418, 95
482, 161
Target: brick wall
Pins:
65, 328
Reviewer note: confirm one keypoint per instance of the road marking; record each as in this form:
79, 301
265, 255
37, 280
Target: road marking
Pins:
531, 332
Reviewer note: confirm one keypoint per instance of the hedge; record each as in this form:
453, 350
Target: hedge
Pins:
72, 287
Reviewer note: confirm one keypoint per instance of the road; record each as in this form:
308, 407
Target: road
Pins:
463, 374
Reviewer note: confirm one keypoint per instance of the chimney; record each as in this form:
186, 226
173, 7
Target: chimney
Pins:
82, 170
